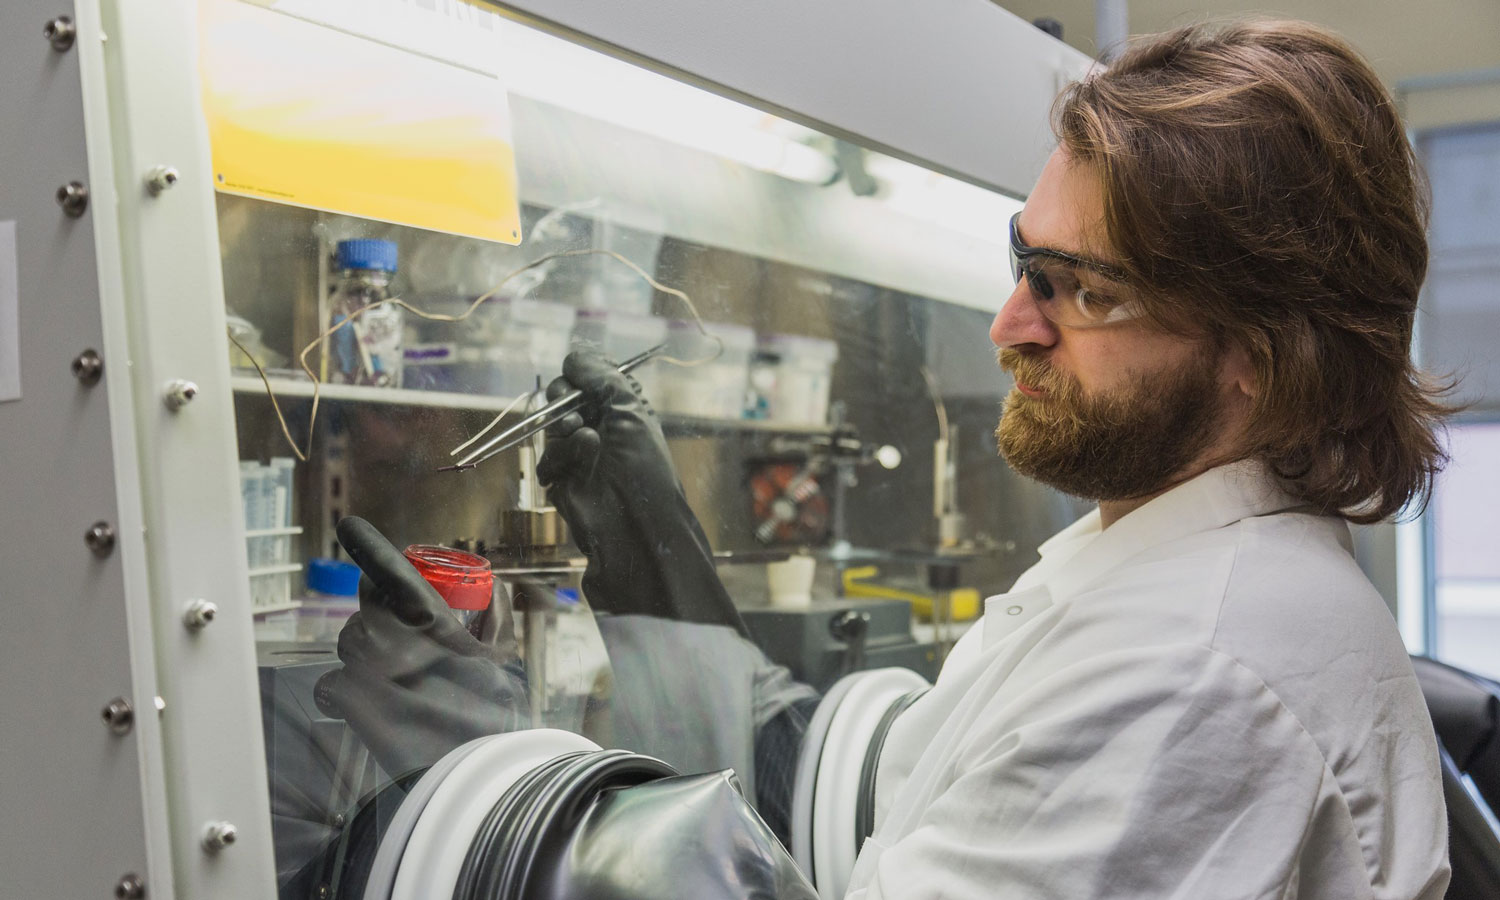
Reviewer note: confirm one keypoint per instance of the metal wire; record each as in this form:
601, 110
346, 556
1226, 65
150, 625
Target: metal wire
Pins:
303, 454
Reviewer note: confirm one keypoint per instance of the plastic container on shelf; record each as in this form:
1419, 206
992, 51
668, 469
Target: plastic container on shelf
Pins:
368, 349
611, 284
271, 587
464, 581
280, 483
597, 280
791, 378
332, 597
715, 389
433, 366
419, 330
274, 571
253, 500
248, 347
430, 349
500, 350
621, 335
530, 339
274, 624
266, 492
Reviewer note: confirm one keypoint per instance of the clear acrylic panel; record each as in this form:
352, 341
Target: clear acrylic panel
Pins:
838, 450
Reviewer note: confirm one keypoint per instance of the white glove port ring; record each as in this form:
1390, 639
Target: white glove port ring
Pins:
833, 800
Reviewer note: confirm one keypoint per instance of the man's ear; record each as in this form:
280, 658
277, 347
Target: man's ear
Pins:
1237, 372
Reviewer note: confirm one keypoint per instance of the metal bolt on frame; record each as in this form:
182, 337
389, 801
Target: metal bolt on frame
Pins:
60, 33
199, 614
159, 178
179, 393
218, 835
73, 197
88, 367
130, 887
100, 538
118, 715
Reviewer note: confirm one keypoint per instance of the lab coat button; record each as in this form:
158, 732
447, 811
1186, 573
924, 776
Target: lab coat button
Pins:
1013, 611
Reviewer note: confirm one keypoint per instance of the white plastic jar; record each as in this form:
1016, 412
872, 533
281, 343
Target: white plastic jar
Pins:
621, 335
531, 341
792, 378
717, 388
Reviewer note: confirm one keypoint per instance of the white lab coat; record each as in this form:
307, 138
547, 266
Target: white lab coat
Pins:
1207, 700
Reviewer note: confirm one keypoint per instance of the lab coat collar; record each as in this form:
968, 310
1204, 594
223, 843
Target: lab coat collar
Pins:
1217, 498
1086, 524
1085, 553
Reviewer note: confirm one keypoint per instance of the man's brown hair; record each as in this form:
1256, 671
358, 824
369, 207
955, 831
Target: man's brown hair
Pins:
1259, 185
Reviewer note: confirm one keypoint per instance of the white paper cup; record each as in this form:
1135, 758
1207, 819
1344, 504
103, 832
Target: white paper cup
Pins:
790, 582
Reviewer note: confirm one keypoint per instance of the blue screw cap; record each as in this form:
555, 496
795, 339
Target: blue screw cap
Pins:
367, 253
333, 577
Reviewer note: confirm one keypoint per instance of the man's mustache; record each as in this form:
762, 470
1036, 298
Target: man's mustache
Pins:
1030, 371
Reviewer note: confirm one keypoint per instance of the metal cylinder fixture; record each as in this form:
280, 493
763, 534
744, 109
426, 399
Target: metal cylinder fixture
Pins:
532, 533
118, 715
1111, 26
73, 197
60, 32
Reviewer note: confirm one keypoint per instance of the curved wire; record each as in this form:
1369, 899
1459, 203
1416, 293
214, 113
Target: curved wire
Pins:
303, 454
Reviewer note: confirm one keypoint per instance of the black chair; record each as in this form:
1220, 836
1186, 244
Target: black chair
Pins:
1465, 711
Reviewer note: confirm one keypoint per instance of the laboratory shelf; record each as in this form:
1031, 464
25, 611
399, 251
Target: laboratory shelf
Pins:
364, 393
672, 424
274, 608
286, 531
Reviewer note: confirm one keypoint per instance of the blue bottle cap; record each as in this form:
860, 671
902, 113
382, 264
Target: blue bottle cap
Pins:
367, 253
568, 596
330, 576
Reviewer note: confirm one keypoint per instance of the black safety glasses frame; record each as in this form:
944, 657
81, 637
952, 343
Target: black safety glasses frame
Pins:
1023, 261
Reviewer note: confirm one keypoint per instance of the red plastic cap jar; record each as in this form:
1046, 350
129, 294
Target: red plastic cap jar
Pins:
464, 580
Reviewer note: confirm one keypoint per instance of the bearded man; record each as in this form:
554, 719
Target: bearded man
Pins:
1195, 692
1196, 689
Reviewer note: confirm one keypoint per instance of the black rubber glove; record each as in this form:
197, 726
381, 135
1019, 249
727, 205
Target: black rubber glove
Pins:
415, 684
607, 471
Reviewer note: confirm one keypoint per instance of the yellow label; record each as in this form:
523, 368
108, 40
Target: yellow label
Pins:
305, 113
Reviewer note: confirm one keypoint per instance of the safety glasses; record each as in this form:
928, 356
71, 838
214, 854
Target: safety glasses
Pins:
1057, 291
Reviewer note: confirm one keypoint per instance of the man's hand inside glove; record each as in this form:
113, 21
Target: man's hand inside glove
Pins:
608, 472
415, 684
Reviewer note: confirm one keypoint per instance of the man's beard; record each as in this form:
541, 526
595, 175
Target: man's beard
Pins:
1118, 445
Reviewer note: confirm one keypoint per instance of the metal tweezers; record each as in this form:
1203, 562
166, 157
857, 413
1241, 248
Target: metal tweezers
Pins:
542, 419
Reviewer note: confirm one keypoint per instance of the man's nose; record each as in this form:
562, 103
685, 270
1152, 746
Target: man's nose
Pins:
1019, 321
